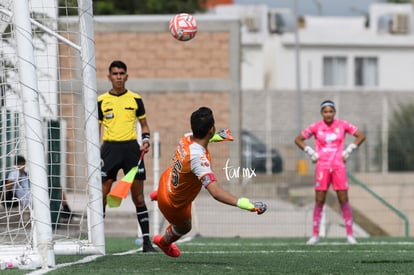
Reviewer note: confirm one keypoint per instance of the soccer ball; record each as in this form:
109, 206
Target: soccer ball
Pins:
183, 27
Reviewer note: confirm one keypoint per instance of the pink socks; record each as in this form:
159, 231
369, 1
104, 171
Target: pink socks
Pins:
317, 212
347, 215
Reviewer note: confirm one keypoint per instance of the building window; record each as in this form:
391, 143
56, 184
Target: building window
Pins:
366, 71
334, 71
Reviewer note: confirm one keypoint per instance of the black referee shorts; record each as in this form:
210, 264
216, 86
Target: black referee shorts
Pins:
121, 155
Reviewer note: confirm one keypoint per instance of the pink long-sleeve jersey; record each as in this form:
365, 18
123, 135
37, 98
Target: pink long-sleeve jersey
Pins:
329, 141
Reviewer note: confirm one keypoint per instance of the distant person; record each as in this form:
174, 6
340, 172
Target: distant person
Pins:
330, 157
119, 110
180, 183
18, 183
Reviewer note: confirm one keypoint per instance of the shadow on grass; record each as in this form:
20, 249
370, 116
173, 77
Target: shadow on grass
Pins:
387, 262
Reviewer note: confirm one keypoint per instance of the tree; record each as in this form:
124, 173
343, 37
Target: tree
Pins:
111, 7
68, 7
399, 1
401, 147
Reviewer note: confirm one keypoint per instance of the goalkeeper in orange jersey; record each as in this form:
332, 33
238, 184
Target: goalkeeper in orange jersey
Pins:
180, 183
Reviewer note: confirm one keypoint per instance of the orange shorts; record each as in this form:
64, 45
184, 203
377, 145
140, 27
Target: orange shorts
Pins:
176, 216
324, 177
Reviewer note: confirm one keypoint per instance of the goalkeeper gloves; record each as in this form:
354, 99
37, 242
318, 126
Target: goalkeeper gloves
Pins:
258, 207
347, 152
222, 135
311, 153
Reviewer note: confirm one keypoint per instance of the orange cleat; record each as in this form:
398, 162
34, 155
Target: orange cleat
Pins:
171, 250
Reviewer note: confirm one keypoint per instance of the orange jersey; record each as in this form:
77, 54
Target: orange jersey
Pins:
189, 171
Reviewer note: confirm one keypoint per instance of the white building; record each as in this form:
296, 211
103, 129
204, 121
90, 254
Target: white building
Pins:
341, 53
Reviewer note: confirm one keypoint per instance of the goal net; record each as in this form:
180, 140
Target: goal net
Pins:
48, 116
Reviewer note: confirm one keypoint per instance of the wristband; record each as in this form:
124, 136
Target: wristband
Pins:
244, 203
145, 137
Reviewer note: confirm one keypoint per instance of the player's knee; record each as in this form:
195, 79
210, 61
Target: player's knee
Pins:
188, 229
182, 230
139, 200
320, 201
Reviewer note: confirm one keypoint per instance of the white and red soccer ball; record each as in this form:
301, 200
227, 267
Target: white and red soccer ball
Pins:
183, 26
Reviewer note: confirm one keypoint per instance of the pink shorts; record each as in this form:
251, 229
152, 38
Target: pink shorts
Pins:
324, 177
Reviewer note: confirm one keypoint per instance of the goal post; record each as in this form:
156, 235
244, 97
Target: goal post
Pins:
95, 209
41, 221
55, 127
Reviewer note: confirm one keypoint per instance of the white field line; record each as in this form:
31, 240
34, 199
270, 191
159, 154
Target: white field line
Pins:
292, 251
81, 261
275, 244
297, 243
92, 258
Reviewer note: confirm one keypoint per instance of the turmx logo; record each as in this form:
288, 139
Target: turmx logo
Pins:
237, 172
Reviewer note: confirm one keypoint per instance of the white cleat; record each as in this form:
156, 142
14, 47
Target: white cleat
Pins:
313, 240
351, 240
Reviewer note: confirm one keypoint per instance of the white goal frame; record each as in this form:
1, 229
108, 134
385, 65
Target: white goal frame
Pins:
41, 252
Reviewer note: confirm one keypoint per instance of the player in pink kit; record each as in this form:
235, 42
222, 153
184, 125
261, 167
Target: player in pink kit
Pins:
330, 157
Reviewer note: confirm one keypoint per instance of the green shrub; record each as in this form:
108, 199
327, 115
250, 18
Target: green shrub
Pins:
401, 139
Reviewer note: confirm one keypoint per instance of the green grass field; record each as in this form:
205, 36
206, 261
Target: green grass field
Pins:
247, 256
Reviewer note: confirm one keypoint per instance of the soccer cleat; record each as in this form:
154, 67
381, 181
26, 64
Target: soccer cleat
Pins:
351, 240
148, 248
171, 250
313, 240
154, 195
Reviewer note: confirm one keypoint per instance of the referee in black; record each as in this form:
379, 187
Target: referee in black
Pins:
118, 112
